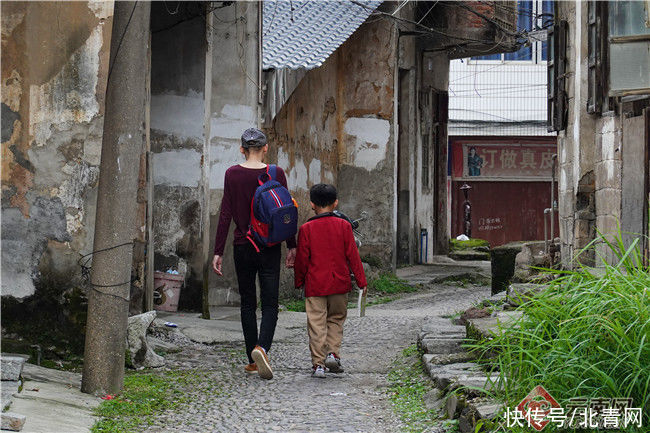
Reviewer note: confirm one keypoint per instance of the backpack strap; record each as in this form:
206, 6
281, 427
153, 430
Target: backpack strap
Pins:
271, 172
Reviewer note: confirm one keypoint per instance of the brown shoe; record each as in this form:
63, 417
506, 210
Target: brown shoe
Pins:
251, 368
262, 362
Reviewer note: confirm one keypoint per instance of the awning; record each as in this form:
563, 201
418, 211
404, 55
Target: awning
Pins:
306, 36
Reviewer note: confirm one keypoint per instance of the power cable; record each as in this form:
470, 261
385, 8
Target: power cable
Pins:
85, 272
119, 45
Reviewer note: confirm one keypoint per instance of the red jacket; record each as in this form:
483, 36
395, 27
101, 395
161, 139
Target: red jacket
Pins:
326, 254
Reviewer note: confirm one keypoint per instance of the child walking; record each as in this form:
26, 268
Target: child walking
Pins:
326, 254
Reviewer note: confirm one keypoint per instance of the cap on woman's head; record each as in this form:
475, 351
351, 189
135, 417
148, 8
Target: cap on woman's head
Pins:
253, 137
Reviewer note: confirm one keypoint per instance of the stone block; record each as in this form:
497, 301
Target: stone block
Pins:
9, 388
608, 202
12, 421
434, 400
141, 353
442, 346
523, 292
608, 174
12, 366
488, 327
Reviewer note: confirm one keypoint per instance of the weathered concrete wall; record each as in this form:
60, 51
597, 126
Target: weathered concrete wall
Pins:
234, 107
178, 56
338, 127
600, 158
53, 86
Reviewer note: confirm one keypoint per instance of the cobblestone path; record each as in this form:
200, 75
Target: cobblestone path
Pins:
355, 401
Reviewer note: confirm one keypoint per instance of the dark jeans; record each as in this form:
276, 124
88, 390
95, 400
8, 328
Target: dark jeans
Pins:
248, 264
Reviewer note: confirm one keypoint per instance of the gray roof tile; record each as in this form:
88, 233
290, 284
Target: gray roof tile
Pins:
318, 28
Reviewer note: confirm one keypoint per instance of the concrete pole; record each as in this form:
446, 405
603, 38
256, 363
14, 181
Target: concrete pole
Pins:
122, 145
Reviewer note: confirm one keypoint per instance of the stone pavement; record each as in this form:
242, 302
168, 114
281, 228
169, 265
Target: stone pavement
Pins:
355, 401
51, 402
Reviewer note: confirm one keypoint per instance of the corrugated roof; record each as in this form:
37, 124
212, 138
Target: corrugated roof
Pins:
306, 36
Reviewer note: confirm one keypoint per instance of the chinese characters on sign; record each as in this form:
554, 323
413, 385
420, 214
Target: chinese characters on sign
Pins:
490, 161
539, 408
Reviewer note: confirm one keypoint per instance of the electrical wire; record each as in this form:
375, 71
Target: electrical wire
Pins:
119, 45
85, 271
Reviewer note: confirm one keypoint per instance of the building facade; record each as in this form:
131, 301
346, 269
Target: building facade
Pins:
371, 118
600, 94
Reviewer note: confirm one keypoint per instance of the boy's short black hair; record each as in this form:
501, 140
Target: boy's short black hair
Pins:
322, 194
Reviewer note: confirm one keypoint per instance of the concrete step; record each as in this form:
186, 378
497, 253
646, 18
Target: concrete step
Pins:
12, 366
9, 388
488, 327
464, 255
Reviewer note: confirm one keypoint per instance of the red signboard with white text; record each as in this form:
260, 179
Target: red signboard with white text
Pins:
499, 162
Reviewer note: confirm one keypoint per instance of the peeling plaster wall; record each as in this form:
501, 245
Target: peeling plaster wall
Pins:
234, 107
178, 56
337, 127
53, 86
598, 186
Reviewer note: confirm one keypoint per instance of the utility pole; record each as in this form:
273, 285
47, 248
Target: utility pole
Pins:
122, 145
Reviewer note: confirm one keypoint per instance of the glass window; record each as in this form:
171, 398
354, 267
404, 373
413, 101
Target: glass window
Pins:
629, 66
627, 18
488, 57
525, 14
629, 60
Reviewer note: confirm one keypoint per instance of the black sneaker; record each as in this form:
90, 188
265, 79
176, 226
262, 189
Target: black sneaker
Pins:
333, 363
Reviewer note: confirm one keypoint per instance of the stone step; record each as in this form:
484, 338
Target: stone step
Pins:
475, 412
469, 255
9, 388
11, 366
518, 293
466, 375
488, 327
12, 421
441, 346
444, 359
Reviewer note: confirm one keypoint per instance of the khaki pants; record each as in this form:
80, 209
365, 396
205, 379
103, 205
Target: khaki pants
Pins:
325, 318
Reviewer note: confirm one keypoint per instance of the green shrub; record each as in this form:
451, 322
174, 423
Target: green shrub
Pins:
587, 335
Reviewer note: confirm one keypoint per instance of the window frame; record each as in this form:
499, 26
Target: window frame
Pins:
536, 47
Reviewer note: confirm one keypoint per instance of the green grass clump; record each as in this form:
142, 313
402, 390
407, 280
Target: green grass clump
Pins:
587, 335
389, 284
145, 396
456, 245
408, 386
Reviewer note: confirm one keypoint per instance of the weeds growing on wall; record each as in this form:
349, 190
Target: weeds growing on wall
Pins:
587, 335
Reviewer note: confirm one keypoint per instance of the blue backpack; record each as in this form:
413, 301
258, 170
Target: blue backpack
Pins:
274, 213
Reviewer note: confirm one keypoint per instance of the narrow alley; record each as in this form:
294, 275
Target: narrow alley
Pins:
355, 401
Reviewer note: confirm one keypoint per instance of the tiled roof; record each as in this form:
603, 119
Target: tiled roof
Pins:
317, 29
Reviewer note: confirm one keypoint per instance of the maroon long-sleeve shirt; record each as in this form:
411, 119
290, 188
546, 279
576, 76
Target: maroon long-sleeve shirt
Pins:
239, 187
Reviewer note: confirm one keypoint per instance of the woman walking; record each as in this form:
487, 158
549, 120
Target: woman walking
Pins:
240, 183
